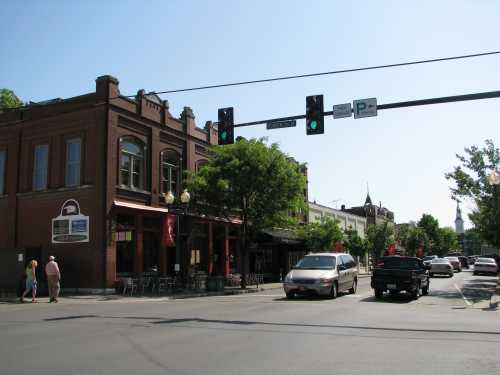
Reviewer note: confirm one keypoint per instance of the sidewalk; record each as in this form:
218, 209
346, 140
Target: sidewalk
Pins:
182, 294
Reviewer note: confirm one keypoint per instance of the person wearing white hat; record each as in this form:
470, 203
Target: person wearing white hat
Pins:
53, 278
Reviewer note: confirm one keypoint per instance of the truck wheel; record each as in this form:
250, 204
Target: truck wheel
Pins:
354, 287
379, 293
425, 291
334, 291
416, 293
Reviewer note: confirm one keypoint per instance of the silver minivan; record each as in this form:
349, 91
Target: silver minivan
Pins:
324, 274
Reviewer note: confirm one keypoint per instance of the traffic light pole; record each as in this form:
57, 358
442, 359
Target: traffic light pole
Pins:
412, 103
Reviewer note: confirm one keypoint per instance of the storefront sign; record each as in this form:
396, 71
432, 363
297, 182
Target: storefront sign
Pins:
71, 225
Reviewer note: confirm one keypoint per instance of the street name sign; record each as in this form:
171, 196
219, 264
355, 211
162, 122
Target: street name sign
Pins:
281, 124
342, 110
365, 107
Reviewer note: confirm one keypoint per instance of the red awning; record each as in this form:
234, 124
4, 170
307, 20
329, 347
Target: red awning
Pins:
140, 207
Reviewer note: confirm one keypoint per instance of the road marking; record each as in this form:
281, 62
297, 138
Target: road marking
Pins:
465, 299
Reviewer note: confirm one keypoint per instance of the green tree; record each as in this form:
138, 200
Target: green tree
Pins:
430, 226
258, 181
320, 237
9, 100
473, 241
379, 237
417, 237
471, 181
354, 244
449, 241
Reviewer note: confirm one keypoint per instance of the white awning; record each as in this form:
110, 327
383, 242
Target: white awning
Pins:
141, 207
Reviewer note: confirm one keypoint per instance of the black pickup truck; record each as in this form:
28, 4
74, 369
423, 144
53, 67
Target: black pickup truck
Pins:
398, 273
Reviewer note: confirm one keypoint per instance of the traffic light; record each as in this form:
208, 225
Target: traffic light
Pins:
226, 126
314, 115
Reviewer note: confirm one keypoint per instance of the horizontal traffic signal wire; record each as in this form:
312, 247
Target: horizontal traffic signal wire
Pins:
386, 66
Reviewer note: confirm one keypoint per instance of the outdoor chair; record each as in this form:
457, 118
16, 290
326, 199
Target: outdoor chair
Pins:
146, 283
130, 284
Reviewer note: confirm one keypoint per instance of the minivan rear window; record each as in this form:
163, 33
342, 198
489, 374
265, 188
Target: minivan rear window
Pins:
316, 262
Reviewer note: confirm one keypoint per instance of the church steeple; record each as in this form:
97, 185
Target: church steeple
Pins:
368, 200
459, 223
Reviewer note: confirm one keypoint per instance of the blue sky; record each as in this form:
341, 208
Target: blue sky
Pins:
57, 49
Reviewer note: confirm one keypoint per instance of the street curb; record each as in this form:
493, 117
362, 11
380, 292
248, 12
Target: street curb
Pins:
495, 297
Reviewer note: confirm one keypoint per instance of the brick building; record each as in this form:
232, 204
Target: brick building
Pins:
83, 179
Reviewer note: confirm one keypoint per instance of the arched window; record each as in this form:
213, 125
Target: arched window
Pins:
170, 168
131, 163
200, 164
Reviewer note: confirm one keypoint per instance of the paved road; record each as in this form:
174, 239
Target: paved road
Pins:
448, 332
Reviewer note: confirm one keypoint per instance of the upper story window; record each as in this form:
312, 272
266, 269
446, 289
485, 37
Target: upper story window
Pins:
73, 161
132, 163
3, 166
201, 164
170, 167
40, 167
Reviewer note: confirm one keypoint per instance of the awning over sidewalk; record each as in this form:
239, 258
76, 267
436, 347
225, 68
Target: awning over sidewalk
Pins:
141, 207
279, 236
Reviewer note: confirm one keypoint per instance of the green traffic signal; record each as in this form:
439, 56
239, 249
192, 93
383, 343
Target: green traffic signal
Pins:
223, 135
313, 125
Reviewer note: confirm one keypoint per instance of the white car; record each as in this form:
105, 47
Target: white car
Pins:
440, 266
485, 265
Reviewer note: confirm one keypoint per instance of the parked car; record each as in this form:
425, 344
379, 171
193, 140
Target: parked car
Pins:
324, 274
463, 262
397, 273
455, 262
440, 266
427, 259
471, 259
485, 265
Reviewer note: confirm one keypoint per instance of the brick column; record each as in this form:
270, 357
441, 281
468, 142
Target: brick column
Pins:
226, 250
139, 245
210, 248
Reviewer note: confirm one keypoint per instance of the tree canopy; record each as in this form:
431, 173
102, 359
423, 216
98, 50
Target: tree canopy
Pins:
354, 244
471, 180
379, 237
9, 100
323, 236
258, 182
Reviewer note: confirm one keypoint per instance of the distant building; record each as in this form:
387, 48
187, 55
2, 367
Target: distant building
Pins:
319, 213
373, 214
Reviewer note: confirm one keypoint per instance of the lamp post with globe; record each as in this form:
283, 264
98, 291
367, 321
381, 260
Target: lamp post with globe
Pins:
179, 209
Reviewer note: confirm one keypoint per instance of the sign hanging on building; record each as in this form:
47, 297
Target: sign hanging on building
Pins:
71, 225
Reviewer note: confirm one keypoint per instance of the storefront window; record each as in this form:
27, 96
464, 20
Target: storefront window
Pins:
131, 163
170, 167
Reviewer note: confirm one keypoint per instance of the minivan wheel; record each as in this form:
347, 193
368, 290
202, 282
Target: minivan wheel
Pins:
354, 287
334, 291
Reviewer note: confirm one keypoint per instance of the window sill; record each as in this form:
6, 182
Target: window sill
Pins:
133, 190
54, 190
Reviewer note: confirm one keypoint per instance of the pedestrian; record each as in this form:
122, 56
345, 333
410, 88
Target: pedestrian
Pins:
30, 280
53, 278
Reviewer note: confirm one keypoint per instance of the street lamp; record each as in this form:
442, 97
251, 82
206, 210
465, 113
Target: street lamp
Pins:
178, 210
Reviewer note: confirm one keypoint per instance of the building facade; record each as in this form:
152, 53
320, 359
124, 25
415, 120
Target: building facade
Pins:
374, 214
319, 213
84, 179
